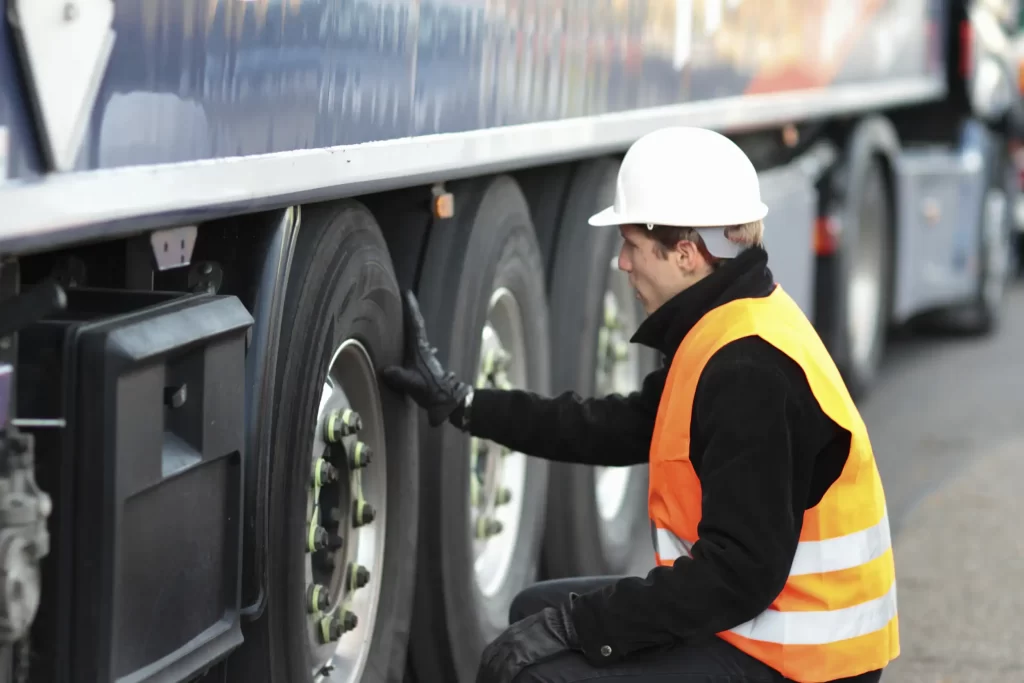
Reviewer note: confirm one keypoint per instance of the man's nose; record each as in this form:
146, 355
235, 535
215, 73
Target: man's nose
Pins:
624, 264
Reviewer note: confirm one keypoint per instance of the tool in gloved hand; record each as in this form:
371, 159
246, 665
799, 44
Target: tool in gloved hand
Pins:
421, 375
529, 641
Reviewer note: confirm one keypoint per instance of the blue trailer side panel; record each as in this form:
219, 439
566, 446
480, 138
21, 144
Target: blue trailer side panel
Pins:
200, 79
209, 107
19, 155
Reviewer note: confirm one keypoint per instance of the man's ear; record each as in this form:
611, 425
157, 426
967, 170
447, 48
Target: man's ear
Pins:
687, 256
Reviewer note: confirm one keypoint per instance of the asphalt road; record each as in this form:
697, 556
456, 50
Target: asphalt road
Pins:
947, 426
941, 403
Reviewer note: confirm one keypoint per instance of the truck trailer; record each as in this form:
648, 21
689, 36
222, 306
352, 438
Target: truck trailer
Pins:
209, 210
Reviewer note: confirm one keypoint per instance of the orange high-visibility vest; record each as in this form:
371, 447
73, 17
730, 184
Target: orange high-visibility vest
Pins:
836, 615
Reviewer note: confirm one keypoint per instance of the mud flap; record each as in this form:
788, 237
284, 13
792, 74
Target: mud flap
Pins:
149, 490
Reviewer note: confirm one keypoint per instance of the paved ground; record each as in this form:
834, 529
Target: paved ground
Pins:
948, 431
960, 576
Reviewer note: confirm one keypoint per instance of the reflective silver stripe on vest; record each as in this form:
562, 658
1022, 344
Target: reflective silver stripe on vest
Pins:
669, 546
812, 557
842, 552
820, 628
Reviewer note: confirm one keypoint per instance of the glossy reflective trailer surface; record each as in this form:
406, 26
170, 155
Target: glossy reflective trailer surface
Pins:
199, 79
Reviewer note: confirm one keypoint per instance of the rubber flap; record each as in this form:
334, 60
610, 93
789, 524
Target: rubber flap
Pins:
157, 417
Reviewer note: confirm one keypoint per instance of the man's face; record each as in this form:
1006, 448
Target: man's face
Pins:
655, 276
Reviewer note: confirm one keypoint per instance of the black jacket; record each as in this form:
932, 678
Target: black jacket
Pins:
762, 447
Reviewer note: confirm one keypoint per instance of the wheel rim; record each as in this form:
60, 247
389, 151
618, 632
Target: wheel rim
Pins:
995, 250
346, 516
618, 370
865, 286
497, 474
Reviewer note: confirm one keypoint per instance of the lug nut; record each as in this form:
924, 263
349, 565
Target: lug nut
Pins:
341, 423
611, 319
324, 472
495, 360
331, 628
325, 561
349, 621
360, 456
356, 577
317, 538
317, 598
487, 527
474, 489
503, 496
362, 513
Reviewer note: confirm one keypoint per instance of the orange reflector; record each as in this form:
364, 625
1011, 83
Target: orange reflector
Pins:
790, 135
826, 235
444, 205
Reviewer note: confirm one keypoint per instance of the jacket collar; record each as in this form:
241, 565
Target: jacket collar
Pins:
746, 276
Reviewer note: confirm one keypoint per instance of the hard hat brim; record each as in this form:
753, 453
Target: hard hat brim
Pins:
610, 217
606, 218
714, 236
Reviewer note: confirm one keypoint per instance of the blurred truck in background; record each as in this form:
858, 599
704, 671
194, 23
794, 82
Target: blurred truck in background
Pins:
208, 209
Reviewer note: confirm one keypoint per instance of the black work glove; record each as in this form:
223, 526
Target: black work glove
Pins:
421, 375
532, 640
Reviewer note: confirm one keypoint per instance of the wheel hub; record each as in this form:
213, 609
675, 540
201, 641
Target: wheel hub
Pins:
497, 481
345, 517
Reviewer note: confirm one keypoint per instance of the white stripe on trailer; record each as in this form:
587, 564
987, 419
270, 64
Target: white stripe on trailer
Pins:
60, 209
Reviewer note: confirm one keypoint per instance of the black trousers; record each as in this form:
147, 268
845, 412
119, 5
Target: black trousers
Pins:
711, 661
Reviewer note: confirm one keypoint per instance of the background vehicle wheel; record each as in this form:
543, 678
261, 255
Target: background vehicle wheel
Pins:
482, 513
863, 276
344, 477
597, 516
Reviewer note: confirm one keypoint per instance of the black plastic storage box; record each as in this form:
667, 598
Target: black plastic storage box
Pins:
150, 481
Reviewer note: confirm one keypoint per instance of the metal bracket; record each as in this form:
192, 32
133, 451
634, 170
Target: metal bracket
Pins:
172, 248
65, 46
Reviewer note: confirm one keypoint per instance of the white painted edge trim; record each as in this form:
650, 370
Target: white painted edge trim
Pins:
53, 210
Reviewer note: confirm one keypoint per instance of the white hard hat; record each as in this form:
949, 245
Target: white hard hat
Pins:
687, 177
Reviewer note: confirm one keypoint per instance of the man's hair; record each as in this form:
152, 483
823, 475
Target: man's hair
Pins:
666, 237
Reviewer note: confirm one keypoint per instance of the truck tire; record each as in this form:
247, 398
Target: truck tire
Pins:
597, 516
481, 289
996, 255
342, 321
863, 275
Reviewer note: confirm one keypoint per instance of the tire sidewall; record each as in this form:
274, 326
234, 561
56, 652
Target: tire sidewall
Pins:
861, 375
575, 542
1000, 176
342, 287
514, 274
491, 245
